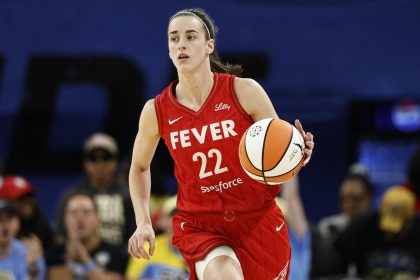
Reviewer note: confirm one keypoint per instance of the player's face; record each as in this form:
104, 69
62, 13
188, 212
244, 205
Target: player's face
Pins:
188, 46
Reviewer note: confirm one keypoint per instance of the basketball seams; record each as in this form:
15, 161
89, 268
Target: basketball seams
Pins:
255, 177
246, 152
246, 162
288, 166
284, 152
280, 175
276, 143
267, 142
254, 140
263, 149
286, 176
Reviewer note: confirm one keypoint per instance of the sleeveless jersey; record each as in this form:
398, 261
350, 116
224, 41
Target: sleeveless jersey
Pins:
204, 146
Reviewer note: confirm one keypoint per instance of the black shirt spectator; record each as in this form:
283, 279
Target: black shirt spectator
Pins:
108, 258
84, 255
112, 199
384, 243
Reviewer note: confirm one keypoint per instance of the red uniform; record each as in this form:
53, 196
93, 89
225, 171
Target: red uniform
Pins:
219, 203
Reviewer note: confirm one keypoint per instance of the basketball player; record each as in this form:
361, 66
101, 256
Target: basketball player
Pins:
229, 226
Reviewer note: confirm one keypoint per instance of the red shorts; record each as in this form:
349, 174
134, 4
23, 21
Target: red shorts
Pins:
259, 239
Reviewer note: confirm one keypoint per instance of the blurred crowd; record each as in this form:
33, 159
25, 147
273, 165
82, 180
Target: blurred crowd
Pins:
95, 218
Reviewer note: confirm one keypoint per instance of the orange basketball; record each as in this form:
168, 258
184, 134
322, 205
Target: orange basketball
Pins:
271, 151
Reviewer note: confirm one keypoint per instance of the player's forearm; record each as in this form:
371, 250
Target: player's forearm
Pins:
296, 214
140, 184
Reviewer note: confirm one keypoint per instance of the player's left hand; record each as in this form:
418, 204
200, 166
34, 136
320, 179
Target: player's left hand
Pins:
309, 141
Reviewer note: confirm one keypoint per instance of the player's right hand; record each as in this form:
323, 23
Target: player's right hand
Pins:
137, 241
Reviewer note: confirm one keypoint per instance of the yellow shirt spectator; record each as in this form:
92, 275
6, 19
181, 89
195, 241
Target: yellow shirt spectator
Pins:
164, 255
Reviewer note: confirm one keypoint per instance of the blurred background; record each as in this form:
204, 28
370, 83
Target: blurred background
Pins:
348, 69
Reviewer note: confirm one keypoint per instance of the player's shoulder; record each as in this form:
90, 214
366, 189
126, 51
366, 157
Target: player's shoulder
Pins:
149, 106
149, 111
247, 89
246, 86
245, 82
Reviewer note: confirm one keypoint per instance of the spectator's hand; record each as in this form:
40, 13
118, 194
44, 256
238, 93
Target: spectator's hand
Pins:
136, 242
75, 250
33, 249
309, 142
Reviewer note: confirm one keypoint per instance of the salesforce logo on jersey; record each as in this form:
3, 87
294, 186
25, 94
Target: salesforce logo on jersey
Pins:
222, 186
391, 264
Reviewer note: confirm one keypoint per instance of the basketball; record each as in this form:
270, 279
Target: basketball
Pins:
271, 151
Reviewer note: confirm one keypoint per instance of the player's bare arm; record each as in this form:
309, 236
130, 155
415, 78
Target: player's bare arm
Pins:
145, 144
254, 99
296, 217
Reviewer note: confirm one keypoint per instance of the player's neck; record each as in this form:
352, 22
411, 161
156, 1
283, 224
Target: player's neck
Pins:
194, 87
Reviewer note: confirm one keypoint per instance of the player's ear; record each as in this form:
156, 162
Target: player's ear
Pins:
210, 46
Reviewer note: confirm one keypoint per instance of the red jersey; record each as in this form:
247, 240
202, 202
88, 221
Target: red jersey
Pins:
204, 146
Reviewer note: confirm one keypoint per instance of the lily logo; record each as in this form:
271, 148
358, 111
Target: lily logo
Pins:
221, 106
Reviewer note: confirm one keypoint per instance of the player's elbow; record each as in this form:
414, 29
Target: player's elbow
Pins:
137, 169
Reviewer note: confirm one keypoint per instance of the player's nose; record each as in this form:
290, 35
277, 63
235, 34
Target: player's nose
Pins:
181, 44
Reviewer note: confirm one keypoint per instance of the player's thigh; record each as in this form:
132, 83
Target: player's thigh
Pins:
223, 267
219, 263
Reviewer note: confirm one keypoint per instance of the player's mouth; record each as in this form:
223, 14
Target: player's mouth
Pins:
183, 57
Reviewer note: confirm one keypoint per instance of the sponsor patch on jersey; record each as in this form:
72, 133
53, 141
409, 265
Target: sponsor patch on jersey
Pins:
222, 186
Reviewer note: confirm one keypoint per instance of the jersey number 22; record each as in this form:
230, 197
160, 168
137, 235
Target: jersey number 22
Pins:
203, 157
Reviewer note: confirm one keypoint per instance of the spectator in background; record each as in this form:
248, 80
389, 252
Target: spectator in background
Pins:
167, 261
114, 205
413, 173
355, 197
312, 255
299, 230
32, 221
384, 244
20, 260
84, 255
